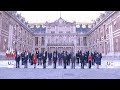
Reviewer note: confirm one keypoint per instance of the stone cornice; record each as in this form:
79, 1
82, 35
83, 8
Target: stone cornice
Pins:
101, 22
17, 20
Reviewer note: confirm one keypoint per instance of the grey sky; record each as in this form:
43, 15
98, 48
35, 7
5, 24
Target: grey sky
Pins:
51, 16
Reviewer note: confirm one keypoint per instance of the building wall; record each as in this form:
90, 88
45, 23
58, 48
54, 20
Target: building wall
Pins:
14, 34
107, 36
104, 38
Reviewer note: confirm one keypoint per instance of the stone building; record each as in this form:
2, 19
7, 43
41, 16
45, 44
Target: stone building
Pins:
14, 32
103, 35
60, 35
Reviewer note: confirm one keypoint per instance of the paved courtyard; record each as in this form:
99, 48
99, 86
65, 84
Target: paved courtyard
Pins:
59, 73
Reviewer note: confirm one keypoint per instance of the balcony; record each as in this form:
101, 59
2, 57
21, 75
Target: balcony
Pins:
60, 44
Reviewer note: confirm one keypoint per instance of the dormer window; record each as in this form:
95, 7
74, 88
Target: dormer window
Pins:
60, 32
52, 31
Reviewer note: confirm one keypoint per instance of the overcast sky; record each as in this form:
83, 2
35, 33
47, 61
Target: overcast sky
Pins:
51, 16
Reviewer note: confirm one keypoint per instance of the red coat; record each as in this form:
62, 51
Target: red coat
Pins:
89, 58
34, 59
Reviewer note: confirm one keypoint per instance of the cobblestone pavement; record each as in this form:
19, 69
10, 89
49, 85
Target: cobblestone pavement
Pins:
59, 73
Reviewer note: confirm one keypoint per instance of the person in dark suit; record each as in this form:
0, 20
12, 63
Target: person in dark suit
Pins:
85, 58
92, 58
17, 59
26, 59
77, 57
30, 57
40, 58
44, 60
82, 61
95, 54
65, 59
59, 58
46, 55
23, 56
50, 58
73, 60
54, 59
68, 59
100, 54
37, 52
97, 60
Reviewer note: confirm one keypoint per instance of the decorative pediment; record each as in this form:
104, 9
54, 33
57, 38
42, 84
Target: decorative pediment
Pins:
60, 22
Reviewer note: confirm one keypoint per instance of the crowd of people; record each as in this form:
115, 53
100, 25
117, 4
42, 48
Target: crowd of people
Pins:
63, 58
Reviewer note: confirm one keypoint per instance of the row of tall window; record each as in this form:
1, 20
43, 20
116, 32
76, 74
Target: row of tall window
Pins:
42, 41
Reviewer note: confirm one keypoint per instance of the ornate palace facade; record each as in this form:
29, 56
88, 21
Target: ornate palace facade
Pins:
103, 35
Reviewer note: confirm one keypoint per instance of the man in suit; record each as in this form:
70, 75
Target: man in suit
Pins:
44, 60
40, 58
30, 57
17, 59
23, 56
65, 59
59, 58
72, 60
77, 57
49, 57
54, 59
82, 60
26, 59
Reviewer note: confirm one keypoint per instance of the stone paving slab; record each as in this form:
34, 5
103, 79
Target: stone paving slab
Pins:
31, 73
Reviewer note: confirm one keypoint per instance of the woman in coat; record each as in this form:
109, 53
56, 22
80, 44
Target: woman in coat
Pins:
34, 59
89, 60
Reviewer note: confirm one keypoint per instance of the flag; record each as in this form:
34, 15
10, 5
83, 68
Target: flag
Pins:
14, 54
10, 51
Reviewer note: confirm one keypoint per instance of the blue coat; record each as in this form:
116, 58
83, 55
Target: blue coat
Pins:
26, 59
97, 60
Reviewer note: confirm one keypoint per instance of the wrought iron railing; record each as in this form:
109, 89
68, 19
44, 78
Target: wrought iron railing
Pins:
60, 44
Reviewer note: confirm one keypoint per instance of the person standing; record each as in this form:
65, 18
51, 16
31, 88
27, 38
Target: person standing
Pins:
59, 58
30, 57
44, 60
92, 58
82, 61
40, 58
100, 54
23, 57
17, 59
89, 60
85, 58
49, 58
26, 59
54, 59
37, 52
97, 60
34, 60
77, 57
73, 60
65, 59
69, 56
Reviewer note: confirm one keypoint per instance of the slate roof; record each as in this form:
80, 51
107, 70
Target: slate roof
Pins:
43, 30
82, 30
39, 29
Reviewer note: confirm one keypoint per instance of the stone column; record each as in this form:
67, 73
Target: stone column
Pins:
10, 36
111, 41
46, 42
